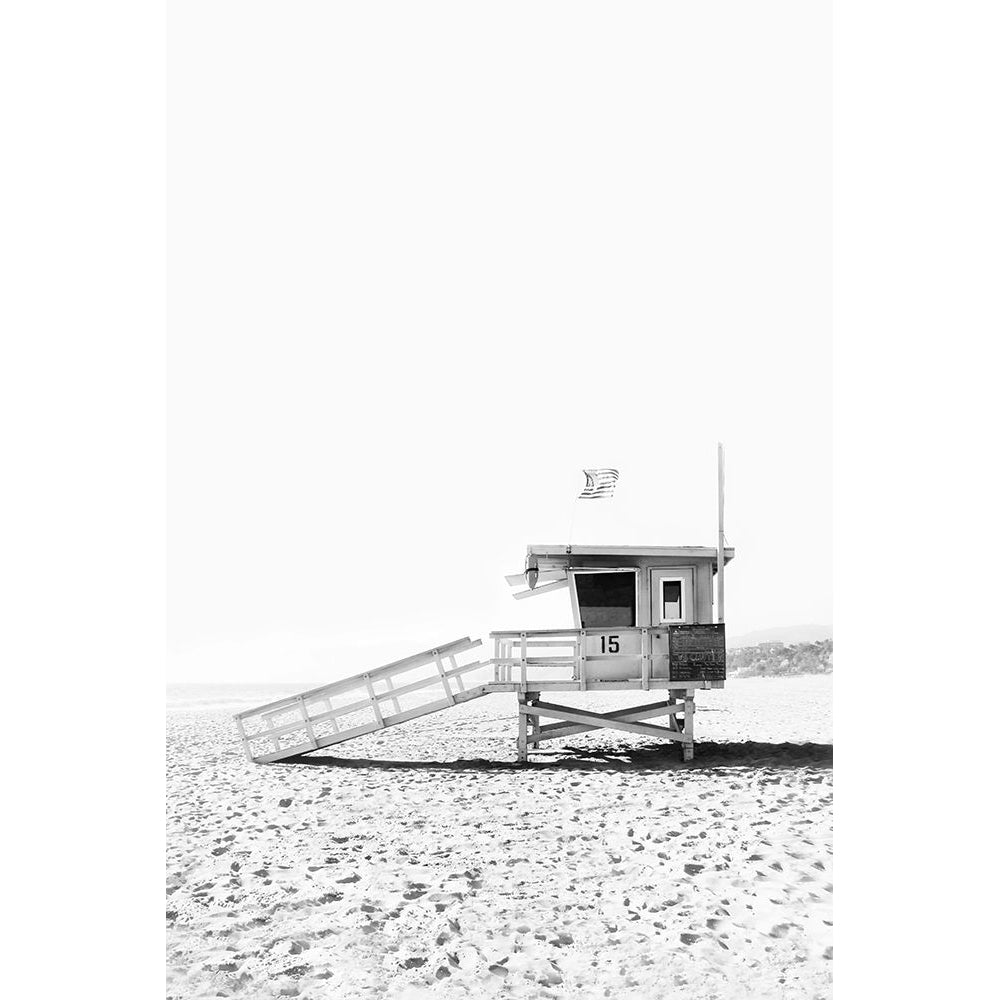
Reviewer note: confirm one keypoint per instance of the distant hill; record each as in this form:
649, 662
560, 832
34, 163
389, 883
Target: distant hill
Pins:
789, 634
779, 659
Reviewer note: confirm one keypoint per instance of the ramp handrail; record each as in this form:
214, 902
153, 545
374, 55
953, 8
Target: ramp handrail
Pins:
306, 711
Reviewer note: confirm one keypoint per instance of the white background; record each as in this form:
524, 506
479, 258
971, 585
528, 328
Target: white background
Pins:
428, 261
83, 562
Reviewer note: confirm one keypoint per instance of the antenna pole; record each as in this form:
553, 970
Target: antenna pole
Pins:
721, 613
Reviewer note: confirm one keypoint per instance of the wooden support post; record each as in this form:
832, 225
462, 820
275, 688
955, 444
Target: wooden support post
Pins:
581, 660
458, 677
269, 722
246, 742
672, 719
534, 721
522, 728
305, 719
373, 701
688, 745
395, 701
645, 648
444, 680
524, 662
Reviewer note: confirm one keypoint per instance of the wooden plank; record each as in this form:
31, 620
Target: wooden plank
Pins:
522, 728
453, 671
354, 706
544, 589
416, 713
656, 684
398, 692
444, 681
373, 699
308, 724
269, 758
685, 551
672, 720
476, 692
570, 633
689, 716
388, 687
274, 732
603, 722
645, 669
559, 729
407, 663
246, 741
293, 703
390, 720
521, 579
544, 661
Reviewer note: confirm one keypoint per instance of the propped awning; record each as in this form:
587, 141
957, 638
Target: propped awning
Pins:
545, 588
538, 583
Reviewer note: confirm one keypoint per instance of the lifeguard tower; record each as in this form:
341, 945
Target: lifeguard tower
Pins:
644, 620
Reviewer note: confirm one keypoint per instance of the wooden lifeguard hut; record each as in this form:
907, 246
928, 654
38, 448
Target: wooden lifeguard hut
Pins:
644, 619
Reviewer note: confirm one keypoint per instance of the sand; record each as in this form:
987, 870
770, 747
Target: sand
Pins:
424, 861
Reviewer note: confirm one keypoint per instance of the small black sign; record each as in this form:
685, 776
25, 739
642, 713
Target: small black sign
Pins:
697, 652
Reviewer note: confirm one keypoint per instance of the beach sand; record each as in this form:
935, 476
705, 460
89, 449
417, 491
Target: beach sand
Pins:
423, 860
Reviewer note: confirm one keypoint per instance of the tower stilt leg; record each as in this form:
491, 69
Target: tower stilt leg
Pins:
522, 728
688, 747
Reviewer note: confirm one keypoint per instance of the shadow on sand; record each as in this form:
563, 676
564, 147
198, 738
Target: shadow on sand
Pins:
652, 757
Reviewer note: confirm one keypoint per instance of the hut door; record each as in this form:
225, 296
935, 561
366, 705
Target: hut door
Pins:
672, 593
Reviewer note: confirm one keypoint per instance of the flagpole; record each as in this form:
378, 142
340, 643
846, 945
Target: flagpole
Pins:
721, 613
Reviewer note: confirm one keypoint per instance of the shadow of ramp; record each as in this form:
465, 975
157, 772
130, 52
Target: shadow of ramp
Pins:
642, 758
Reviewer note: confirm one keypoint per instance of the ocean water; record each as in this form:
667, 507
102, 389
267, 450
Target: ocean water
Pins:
229, 697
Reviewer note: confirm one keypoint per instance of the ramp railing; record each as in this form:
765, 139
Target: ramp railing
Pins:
335, 712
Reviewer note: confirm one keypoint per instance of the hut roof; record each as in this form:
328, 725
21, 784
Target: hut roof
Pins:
548, 564
566, 552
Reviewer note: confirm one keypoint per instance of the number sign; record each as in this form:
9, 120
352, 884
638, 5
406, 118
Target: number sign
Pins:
613, 643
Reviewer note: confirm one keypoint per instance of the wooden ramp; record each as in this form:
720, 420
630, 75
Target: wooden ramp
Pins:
385, 696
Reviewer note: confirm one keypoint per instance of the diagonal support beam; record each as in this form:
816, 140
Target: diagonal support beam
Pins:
598, 721
633, 714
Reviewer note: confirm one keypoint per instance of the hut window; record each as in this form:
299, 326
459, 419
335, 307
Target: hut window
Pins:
672, 601
606, 599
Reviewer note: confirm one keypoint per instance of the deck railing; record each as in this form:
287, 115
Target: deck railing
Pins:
589, 655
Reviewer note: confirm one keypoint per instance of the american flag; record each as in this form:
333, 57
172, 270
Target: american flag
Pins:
600, 483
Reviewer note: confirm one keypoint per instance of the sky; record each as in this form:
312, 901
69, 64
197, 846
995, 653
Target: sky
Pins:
428, 262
